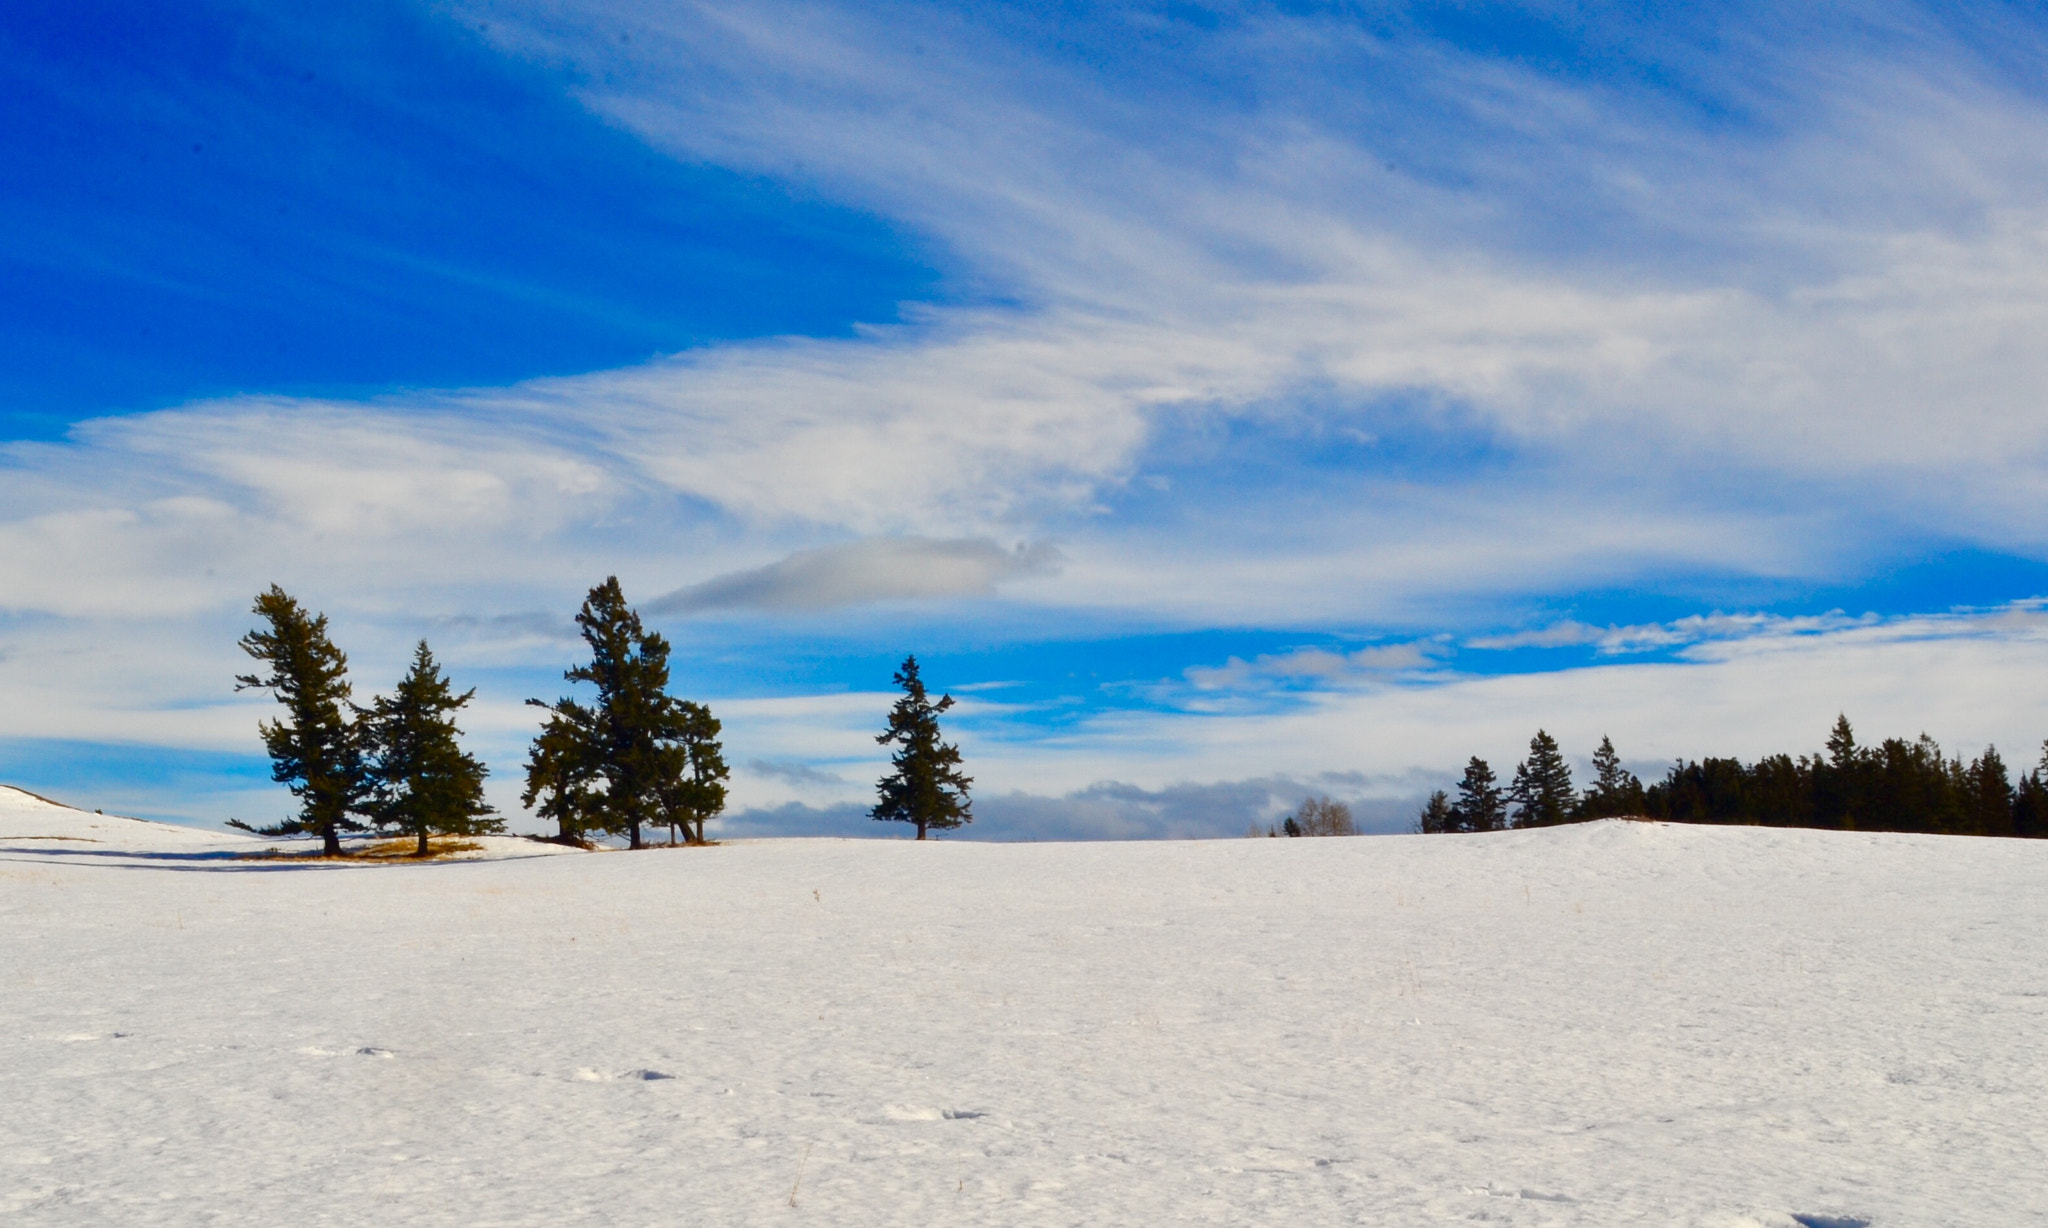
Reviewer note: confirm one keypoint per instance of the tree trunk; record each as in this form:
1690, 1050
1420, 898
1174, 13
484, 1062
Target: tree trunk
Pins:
423, 843
330, 841
920, 831
633, 840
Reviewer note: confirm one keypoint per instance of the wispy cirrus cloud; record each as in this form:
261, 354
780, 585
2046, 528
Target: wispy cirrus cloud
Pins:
1329, 322
864, 572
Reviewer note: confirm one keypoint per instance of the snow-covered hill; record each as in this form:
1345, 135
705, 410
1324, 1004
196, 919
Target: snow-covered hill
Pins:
1608, 1024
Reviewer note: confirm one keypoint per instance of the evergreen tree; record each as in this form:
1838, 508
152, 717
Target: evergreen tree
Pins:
314, 749
424, 782
1615, 790
1437, 815
561, 771
1542, 791
1989, 796
1839, 781
692, 796
926, 787
2030, 801
1480, 805
615, 765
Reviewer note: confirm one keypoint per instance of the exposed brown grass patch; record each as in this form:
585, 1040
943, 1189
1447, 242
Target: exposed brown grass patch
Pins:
407, 848
399, 849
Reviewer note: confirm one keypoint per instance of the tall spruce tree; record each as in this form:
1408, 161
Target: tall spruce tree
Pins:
423, 782
1480, 806
1542, 791
927, 787
313, 749
1615, 790
613, 765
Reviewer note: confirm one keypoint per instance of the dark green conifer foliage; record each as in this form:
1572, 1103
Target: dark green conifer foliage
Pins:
1897, 785
614, 765
1480, 805
2030, 801
314, 749
561, 772
1437, 815
927, 787
692, 796
1615, 790
1842, 781
1989, 796
423, 781
1542, 791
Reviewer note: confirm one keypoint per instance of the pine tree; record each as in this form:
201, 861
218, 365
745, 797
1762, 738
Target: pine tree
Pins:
1615, 790
698, 794
2030, 801
1437, 815
1480, 805
1839, 784
615, 765
926, 787
1542, 791
314, 749
424, 782
1989, 796
561, 771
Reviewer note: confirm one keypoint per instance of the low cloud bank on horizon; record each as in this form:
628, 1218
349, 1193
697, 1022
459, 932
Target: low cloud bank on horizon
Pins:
1299, 398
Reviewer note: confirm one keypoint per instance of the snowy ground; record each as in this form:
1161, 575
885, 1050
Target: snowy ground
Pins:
1606, 1024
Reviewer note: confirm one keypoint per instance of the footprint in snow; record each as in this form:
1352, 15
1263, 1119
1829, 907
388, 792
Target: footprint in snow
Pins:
900, 1112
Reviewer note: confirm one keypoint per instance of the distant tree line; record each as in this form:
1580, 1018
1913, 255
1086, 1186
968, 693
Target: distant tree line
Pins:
1897, 785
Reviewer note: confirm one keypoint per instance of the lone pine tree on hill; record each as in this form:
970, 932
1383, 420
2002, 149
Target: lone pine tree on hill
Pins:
313, 749
926, 787
626, 760
422, 780
1542, 791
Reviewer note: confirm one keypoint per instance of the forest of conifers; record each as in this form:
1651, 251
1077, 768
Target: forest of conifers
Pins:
1897, 785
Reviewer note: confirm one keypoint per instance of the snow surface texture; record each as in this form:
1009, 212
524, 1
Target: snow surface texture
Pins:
1613, 1023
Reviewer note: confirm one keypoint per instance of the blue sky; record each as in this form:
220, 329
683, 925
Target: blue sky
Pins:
1229, 401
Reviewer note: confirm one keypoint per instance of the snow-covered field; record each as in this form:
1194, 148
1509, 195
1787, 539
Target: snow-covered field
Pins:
1607, 1024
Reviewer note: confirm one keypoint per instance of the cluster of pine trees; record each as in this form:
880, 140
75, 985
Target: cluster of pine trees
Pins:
631, 758
1897, 785
395, 766
635, 756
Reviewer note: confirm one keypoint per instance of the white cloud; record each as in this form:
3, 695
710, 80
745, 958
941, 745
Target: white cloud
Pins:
1779, 350
863, 572
1777, 688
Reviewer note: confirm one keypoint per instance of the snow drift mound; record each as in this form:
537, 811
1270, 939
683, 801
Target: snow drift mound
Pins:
29, 821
